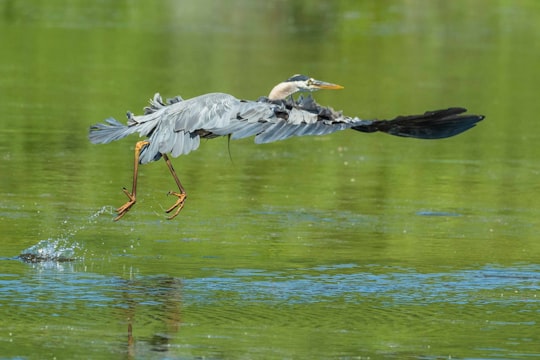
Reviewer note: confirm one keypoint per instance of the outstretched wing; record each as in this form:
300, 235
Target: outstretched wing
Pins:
176, 128
272, 121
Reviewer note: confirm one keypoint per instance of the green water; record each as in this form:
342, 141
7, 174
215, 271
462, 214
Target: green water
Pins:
345, 246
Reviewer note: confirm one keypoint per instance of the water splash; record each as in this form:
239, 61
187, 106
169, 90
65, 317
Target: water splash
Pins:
62, 249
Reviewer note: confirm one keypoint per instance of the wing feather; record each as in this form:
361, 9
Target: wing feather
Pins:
176, 126
178, 144
246, 129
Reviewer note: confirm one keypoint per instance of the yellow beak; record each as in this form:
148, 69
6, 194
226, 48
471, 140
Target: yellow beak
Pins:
326, 85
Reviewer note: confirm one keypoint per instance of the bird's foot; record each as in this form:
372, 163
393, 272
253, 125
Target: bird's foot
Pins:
178, 205
122, 210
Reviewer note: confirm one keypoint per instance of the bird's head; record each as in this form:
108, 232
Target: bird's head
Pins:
298, 83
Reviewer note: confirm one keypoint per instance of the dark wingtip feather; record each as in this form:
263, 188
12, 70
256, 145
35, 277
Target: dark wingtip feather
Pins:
438, 124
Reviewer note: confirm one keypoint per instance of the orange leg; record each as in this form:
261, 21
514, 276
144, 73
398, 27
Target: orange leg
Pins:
122, 210
179, 205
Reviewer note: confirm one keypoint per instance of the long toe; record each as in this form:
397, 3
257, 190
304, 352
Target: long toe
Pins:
122, 210
178, 205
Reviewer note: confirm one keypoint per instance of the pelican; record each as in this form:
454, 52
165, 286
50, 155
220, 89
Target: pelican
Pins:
175, 127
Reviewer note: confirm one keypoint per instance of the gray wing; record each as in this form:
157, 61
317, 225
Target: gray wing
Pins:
180, 126
270, 122
176, 128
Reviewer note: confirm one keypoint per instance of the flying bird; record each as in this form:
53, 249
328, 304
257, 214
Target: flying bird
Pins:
176, 126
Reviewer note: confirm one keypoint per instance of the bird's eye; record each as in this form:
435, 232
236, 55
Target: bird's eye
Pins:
309, 82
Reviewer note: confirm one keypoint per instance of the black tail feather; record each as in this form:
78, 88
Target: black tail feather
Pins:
438, 124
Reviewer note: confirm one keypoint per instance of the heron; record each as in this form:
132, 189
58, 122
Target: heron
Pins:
175, 127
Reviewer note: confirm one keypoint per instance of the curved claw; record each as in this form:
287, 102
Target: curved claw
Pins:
122, 210
178, 205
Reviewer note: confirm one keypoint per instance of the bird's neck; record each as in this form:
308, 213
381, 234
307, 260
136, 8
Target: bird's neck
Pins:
282, 90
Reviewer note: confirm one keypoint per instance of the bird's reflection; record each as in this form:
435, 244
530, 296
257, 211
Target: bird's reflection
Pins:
154, 303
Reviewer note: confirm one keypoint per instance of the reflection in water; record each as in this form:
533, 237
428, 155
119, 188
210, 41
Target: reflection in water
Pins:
151, 309
163, 296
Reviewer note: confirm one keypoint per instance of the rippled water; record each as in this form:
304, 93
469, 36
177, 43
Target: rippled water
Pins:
256, 307
345, 246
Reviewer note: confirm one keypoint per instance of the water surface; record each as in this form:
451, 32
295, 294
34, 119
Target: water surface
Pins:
345, 246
